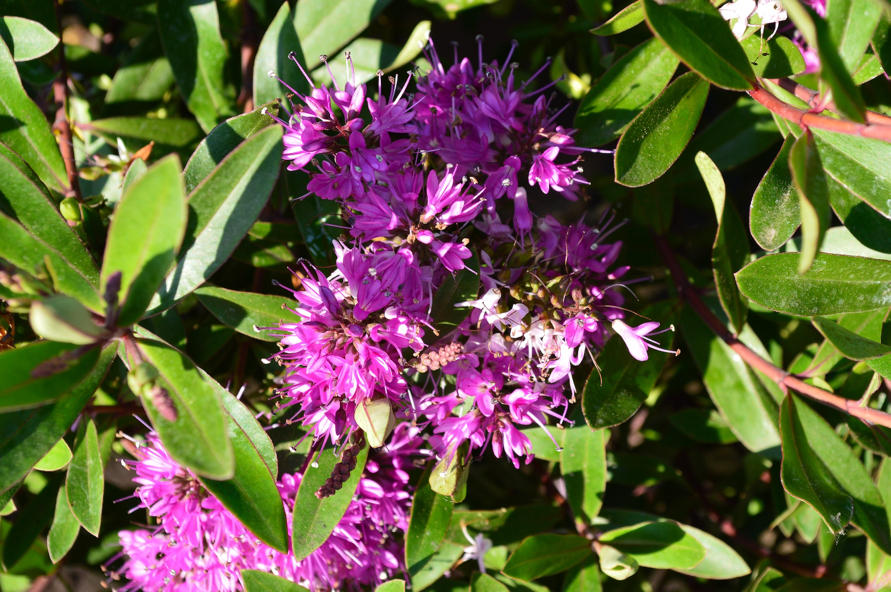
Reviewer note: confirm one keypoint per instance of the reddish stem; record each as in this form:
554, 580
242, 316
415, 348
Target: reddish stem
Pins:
61, 125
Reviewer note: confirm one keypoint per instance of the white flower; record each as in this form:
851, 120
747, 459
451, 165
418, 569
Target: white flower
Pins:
479, 546
742, 11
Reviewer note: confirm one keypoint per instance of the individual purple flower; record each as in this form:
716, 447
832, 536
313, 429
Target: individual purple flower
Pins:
637, 338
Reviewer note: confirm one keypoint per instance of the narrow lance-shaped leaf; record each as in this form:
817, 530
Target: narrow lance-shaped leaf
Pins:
261, 581
623, 92
245, 312
324, 26
546, 554
860, 165
274, 56
835, 284
813, 193
833, 72
143, 78
656, 138
623, 20
29, 523
775, 212
57, 458
660, 545
584, 577
699, 35
773, 58
144, 236
26, 39
865, 225
583, 467
852, 24
427, 527
64, 529
27, 381
169, 135
731, 247
85, 484
850, 344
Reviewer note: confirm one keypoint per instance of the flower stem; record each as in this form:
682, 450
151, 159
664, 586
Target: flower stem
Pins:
61, 124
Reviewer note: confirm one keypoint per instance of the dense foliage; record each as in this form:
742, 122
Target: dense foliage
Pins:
469, 305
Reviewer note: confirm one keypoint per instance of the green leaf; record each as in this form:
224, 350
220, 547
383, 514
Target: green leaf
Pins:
584, 577
750, 411
623, 92
190, 32
27, 436
583, 467
26, 39
197, 438
57, 458
27, 201
221, 211
835, 284
279, 40
142, 80
845, 468
64, 319
813, 197
850, 344
840, 241
85, 484
833, 71
391, 586
427, 527
144, 236
611, 398
615, 564
660, 545
698, 34
721, 561
775, 213
773, 58
324, 26
260, 581
626, 18
881, 41
29, 523
869, 67
251, 494
860, 165
26, 130
314, 518
219, 143
806, 477
730, 250
852, 24
21, 389
545, 555
703, 425
169, 135
64, 530
245, 312
461, 287
656, 137
479, 582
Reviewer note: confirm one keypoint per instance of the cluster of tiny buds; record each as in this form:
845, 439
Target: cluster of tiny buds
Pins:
436, 359
340, 473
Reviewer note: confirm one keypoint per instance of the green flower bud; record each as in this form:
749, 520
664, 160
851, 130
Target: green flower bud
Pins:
70, 209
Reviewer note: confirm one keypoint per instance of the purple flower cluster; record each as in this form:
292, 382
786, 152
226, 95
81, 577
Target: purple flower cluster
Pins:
423, 181
199, 546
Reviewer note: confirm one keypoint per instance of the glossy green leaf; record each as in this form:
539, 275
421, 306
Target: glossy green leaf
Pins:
698, 34
852, 24
861, 165
432, 569
64, 319
834, 72
845, 468
64, 529
775, 212
251, 494
545, 555
614, 394
224, 138
27, 436
197, 438
623, 92
144, 236
850, 344
245, 312
869, 67
584, 577
736, 391
626, 18
881, 41
314, 518
57, 458
702, 425
190, 32
813, 197
866, 324
840, 241
463, 286
660, 545
29, 523
721, 561
806, 477
21, 389
391, 586
221, 211
835, 284
427, 527
730, 250
26, 39
85, 484
26, 130
169, 135
279, 40
656, 137
481, 582
324, 26
773, 58
143, 78
261, 581
583, 467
